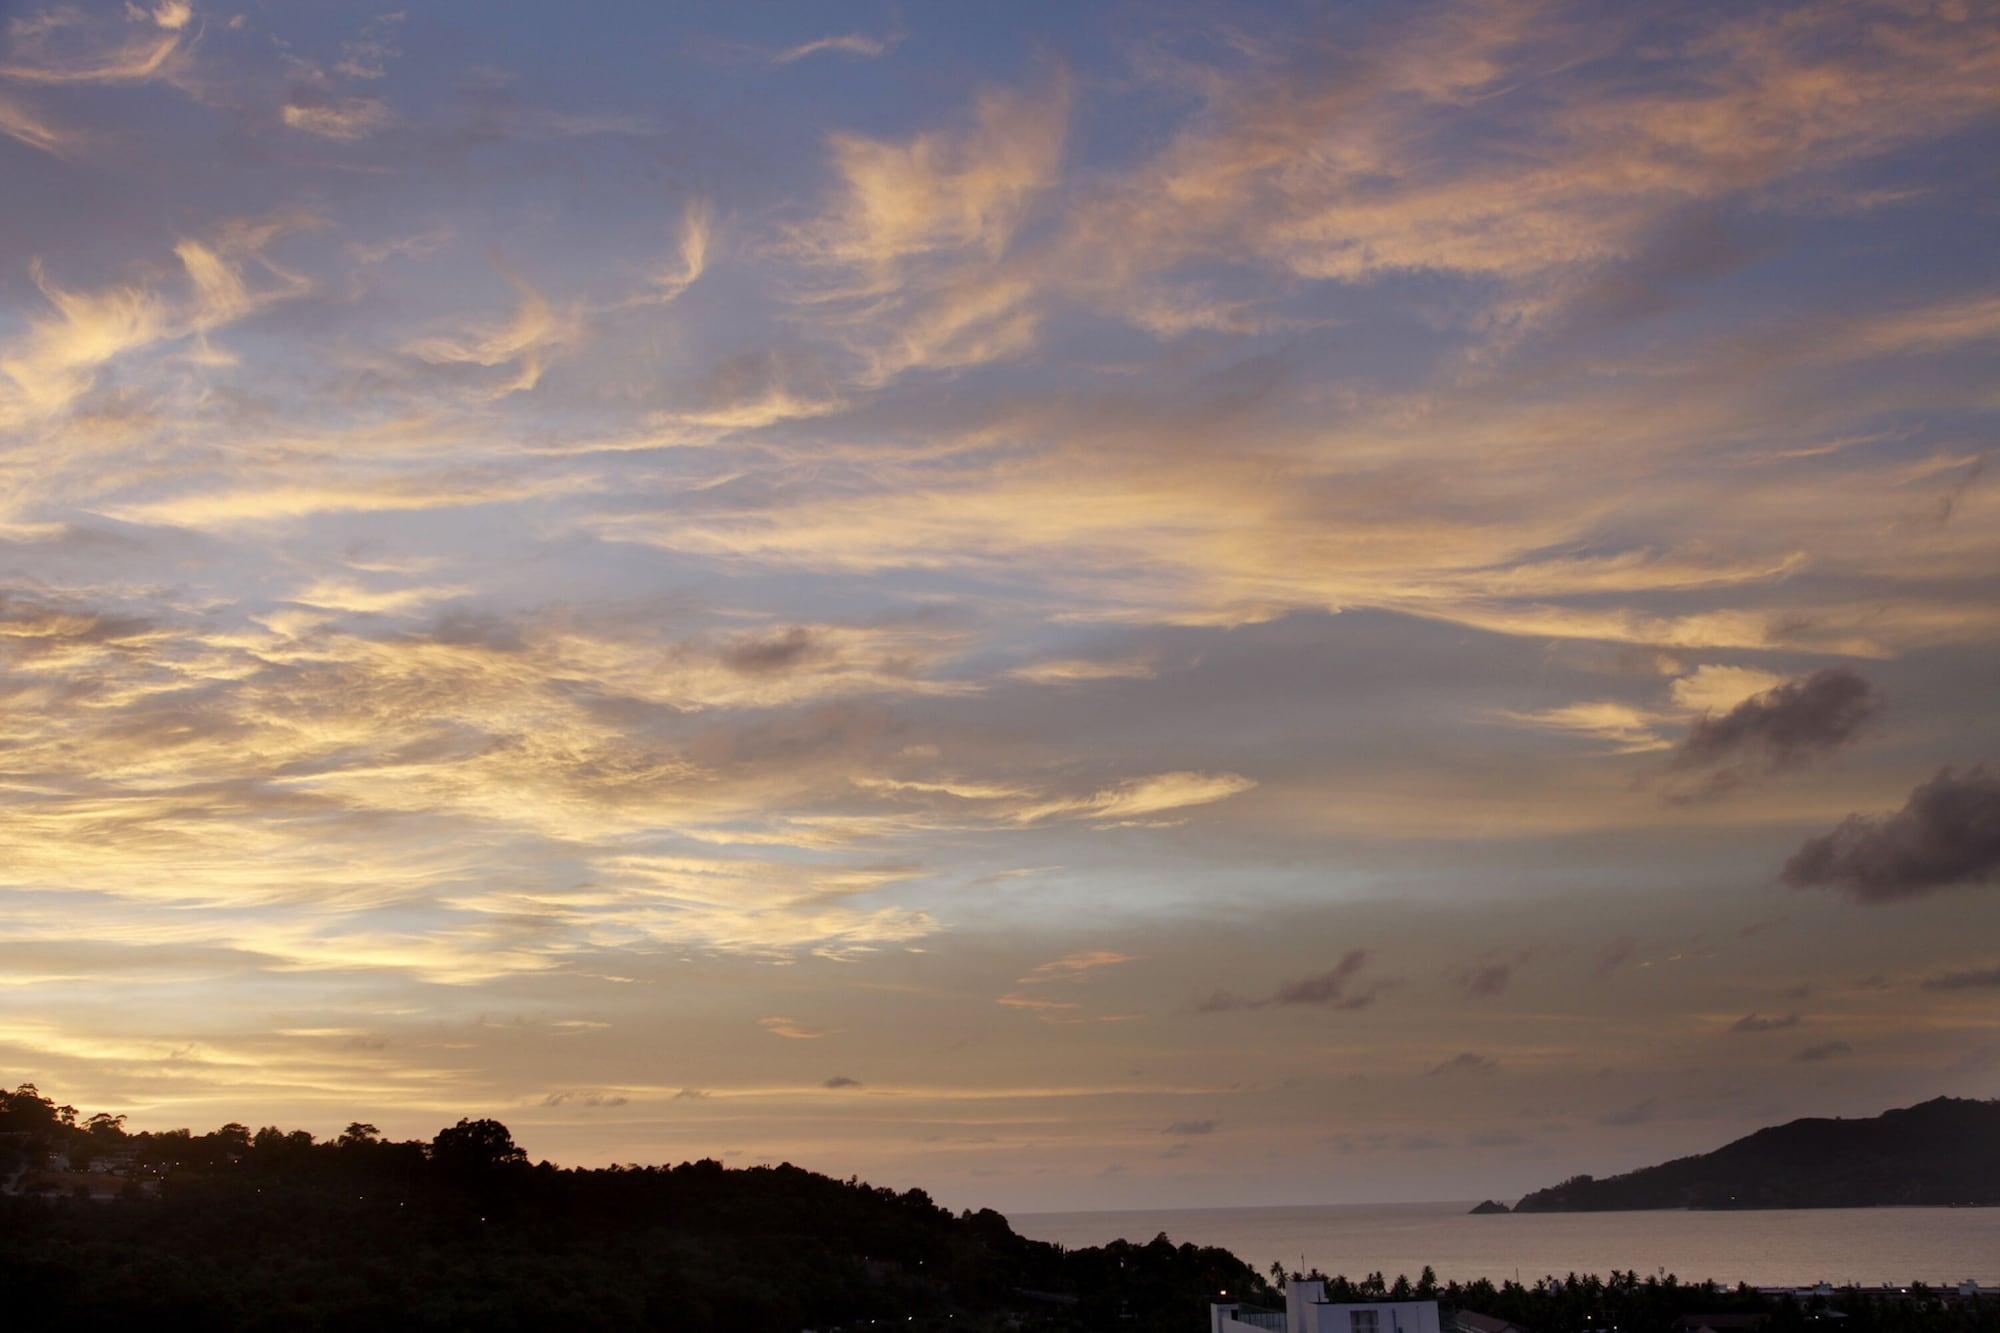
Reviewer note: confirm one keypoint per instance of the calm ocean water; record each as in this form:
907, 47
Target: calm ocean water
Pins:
1834, 1244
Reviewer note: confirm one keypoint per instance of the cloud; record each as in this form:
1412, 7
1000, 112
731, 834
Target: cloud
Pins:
691, 258
1466, 1062
583, 1099
942, 192
57, 361
1074, 671
347, 119
841, 1081
1971, 979
1487, 980
1626, 728
780, 1026
1760, 1023
777, 652
1140, 797
1074, 966
848, 44
1947, 834
1330, 989
1826, 1050
66, 49
23, 125
1639, 1113
526, 345
1614, 955
1710, 688
1785, 726
1192, 1127
918, 239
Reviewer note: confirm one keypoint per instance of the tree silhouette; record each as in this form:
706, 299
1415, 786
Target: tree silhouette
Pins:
477, 1146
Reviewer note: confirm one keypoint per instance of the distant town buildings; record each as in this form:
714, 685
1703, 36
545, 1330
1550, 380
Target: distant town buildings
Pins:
1307, 1310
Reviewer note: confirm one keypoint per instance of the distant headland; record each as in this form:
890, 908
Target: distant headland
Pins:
1941, 1152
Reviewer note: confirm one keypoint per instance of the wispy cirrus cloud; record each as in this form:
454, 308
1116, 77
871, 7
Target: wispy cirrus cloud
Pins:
858, 44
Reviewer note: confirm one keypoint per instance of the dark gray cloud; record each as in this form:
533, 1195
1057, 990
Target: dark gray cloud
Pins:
1334, 988
1784, 727
1467, 1063
1987, 978
1638, 1113
841, 1081
1616, 954
1826, 1050
1947, 834
754, 656
1759, 1023
1491, 979
1192, 1127
1497, 1138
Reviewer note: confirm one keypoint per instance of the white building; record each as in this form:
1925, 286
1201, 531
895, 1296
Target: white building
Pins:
1307, 1310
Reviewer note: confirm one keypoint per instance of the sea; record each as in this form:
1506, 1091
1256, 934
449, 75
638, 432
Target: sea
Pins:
1764, 1248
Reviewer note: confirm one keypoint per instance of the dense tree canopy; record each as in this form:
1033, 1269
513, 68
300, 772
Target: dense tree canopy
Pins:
273, 1230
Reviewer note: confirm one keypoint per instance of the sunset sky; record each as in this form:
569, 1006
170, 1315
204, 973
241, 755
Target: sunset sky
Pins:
1078, 605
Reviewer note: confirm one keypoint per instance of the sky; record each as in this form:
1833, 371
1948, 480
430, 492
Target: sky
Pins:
1073, 605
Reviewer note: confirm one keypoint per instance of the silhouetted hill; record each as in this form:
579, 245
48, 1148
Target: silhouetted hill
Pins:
101, 1228
1945, 1151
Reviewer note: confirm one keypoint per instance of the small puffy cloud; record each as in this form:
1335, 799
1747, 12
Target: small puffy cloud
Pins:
1760, 1023
1826, 1050
1189, 1128
1782, 727
1466, 1062
1336, 988
1947, 834
839, 1081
